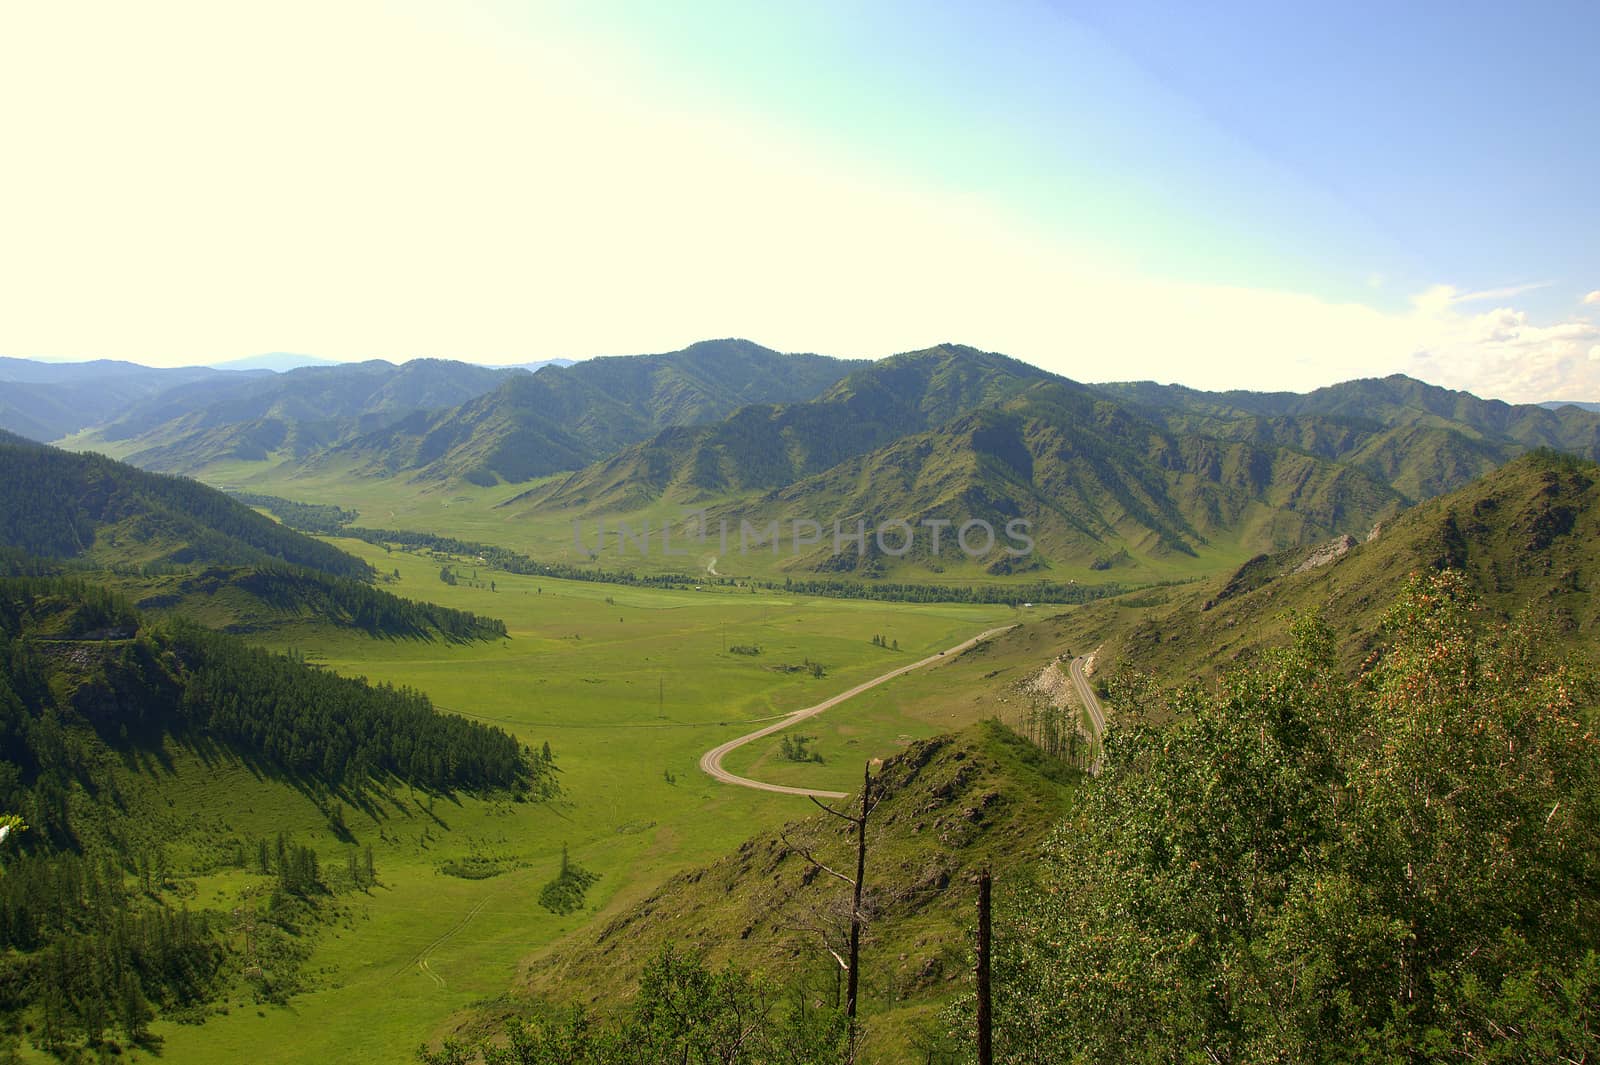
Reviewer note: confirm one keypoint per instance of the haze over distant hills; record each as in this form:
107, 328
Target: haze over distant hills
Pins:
47, 400
296, 413
276, 361
284, 361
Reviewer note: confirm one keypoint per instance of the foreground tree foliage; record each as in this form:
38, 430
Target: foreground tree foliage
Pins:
684, 1013
1304, 867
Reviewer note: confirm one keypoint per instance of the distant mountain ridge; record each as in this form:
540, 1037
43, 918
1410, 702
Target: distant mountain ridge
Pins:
45, 401
297, 412
274, 361
955, 434
1108, 475
1422, 439
767, 446
564, 417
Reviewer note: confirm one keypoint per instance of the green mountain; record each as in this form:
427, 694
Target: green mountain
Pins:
59, 504
953, 434
216, 560
1098, 487
45, 401
1421, 439
772, 445
295, 414
565, 417
1525, 536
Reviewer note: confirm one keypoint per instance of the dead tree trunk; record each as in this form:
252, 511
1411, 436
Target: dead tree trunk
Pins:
852, 962
855, 905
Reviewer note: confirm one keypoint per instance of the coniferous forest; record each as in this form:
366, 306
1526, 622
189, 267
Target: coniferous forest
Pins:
56, 503
96, 930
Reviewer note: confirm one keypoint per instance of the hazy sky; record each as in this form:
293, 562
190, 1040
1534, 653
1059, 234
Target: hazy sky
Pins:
1280, 196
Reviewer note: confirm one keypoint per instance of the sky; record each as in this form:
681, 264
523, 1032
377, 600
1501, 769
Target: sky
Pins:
1266, 196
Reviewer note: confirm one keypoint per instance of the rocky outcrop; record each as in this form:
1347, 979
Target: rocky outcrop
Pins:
1328, 553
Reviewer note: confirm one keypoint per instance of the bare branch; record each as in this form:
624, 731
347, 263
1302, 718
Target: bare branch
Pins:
809, 857
823, 806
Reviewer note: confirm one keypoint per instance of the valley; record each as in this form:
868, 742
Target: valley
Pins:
629, 687
799, 534
675, 708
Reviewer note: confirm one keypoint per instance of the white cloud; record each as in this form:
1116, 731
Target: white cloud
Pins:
1506, 293
1504, 354
1593, 297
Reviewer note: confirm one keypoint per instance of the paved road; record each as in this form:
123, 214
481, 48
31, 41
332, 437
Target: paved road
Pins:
1091, 703
711, 761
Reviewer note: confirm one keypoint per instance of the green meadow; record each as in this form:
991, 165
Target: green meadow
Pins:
629, 686
473, 512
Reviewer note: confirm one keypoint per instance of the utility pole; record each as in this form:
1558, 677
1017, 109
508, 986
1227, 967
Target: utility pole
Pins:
985, 1014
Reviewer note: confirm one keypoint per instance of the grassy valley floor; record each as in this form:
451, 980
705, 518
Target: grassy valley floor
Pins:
628, 686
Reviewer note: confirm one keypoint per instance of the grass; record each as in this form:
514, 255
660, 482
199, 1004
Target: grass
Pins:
629, 686
472, 512
947, 806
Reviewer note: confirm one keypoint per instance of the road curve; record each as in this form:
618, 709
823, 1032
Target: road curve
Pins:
1091, 703
711, 761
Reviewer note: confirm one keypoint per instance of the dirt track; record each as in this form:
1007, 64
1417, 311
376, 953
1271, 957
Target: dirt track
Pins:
711, 761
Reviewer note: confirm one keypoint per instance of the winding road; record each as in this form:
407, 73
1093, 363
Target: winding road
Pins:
1091, 703
711, 761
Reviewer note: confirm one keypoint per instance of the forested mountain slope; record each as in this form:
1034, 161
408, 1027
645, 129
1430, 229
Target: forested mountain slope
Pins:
1097, 484
63, 505
1300, 865
772, 445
